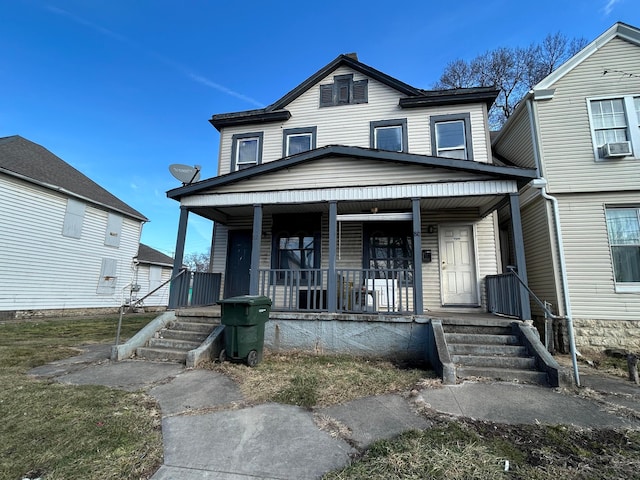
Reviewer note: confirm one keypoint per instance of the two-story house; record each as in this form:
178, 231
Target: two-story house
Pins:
579, 128
357, 203
67, 243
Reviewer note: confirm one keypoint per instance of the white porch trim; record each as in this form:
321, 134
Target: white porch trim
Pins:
385, 192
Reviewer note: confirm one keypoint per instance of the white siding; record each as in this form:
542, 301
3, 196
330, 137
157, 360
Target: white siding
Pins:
589, 266
569, 160
42, 269
350, 124
149, 281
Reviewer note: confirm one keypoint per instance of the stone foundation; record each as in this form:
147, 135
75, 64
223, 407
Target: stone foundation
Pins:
599, 335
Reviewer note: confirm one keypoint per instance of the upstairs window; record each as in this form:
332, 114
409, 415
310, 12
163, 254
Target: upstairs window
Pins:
389, 135
298, 140
451, 136
246, 150
615, 126
344, 91
623, 227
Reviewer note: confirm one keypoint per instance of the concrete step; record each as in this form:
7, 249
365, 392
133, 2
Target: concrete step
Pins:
487, 349
499, 329
522, 363
198, 319
476, 338
162, 354
184, 335
173, 344
507, 375
192, 327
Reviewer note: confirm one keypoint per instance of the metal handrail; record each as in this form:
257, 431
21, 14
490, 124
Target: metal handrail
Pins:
132, 305
542, 304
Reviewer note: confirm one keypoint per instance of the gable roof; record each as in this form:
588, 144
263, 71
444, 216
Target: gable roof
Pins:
149, 255
415, 97
33, 163
619, 29
520, 174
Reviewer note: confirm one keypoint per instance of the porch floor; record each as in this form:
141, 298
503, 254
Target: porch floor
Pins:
400, 317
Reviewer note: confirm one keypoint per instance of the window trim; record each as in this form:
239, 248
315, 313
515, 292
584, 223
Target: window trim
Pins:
465, 117
620, 287
400, 122
234, 149
313, 131
632, 126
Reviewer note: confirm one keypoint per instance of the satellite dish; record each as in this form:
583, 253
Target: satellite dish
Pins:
185, 173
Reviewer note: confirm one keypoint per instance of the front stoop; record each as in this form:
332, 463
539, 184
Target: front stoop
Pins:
173, 343
493, 349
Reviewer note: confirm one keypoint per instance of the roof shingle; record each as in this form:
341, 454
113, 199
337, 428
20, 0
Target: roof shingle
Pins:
24, 158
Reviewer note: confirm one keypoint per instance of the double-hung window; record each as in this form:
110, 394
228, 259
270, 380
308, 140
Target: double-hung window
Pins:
298, 140
615, 126
623, 227
451, 136
389, 135
246, 150
388, 246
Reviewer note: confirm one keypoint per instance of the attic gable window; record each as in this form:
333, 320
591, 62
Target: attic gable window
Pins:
344, 91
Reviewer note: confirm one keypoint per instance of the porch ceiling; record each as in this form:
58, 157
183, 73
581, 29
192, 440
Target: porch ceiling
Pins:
483, 204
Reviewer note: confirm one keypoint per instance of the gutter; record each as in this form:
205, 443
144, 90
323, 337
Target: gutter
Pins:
541, 184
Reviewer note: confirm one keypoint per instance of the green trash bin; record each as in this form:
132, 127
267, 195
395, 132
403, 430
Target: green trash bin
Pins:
244, 318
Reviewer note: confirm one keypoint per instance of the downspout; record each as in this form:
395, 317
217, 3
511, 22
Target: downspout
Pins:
541, 184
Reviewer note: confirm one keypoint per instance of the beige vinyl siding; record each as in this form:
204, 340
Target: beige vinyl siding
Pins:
567, 147
41, 268
588, 257
350, 124
336, 172
350, 249
540, 248
516, 145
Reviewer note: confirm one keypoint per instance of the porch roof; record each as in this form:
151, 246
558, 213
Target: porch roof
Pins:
519, 175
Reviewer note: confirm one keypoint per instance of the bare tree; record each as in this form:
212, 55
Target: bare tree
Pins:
198, 262
512, 70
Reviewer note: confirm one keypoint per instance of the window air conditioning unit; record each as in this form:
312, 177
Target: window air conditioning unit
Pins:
616, 149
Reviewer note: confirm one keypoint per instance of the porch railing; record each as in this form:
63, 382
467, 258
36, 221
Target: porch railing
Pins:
503, 294
195, 289
294, 289
357, 290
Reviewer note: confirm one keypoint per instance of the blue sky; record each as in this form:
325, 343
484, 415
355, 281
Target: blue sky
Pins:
122, 89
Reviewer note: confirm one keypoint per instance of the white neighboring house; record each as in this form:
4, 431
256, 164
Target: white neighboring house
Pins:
153, 272
579, 128
67, 243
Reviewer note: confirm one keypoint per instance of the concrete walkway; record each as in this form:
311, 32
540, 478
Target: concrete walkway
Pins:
209, 432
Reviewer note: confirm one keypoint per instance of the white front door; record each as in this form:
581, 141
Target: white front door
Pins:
458, 266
